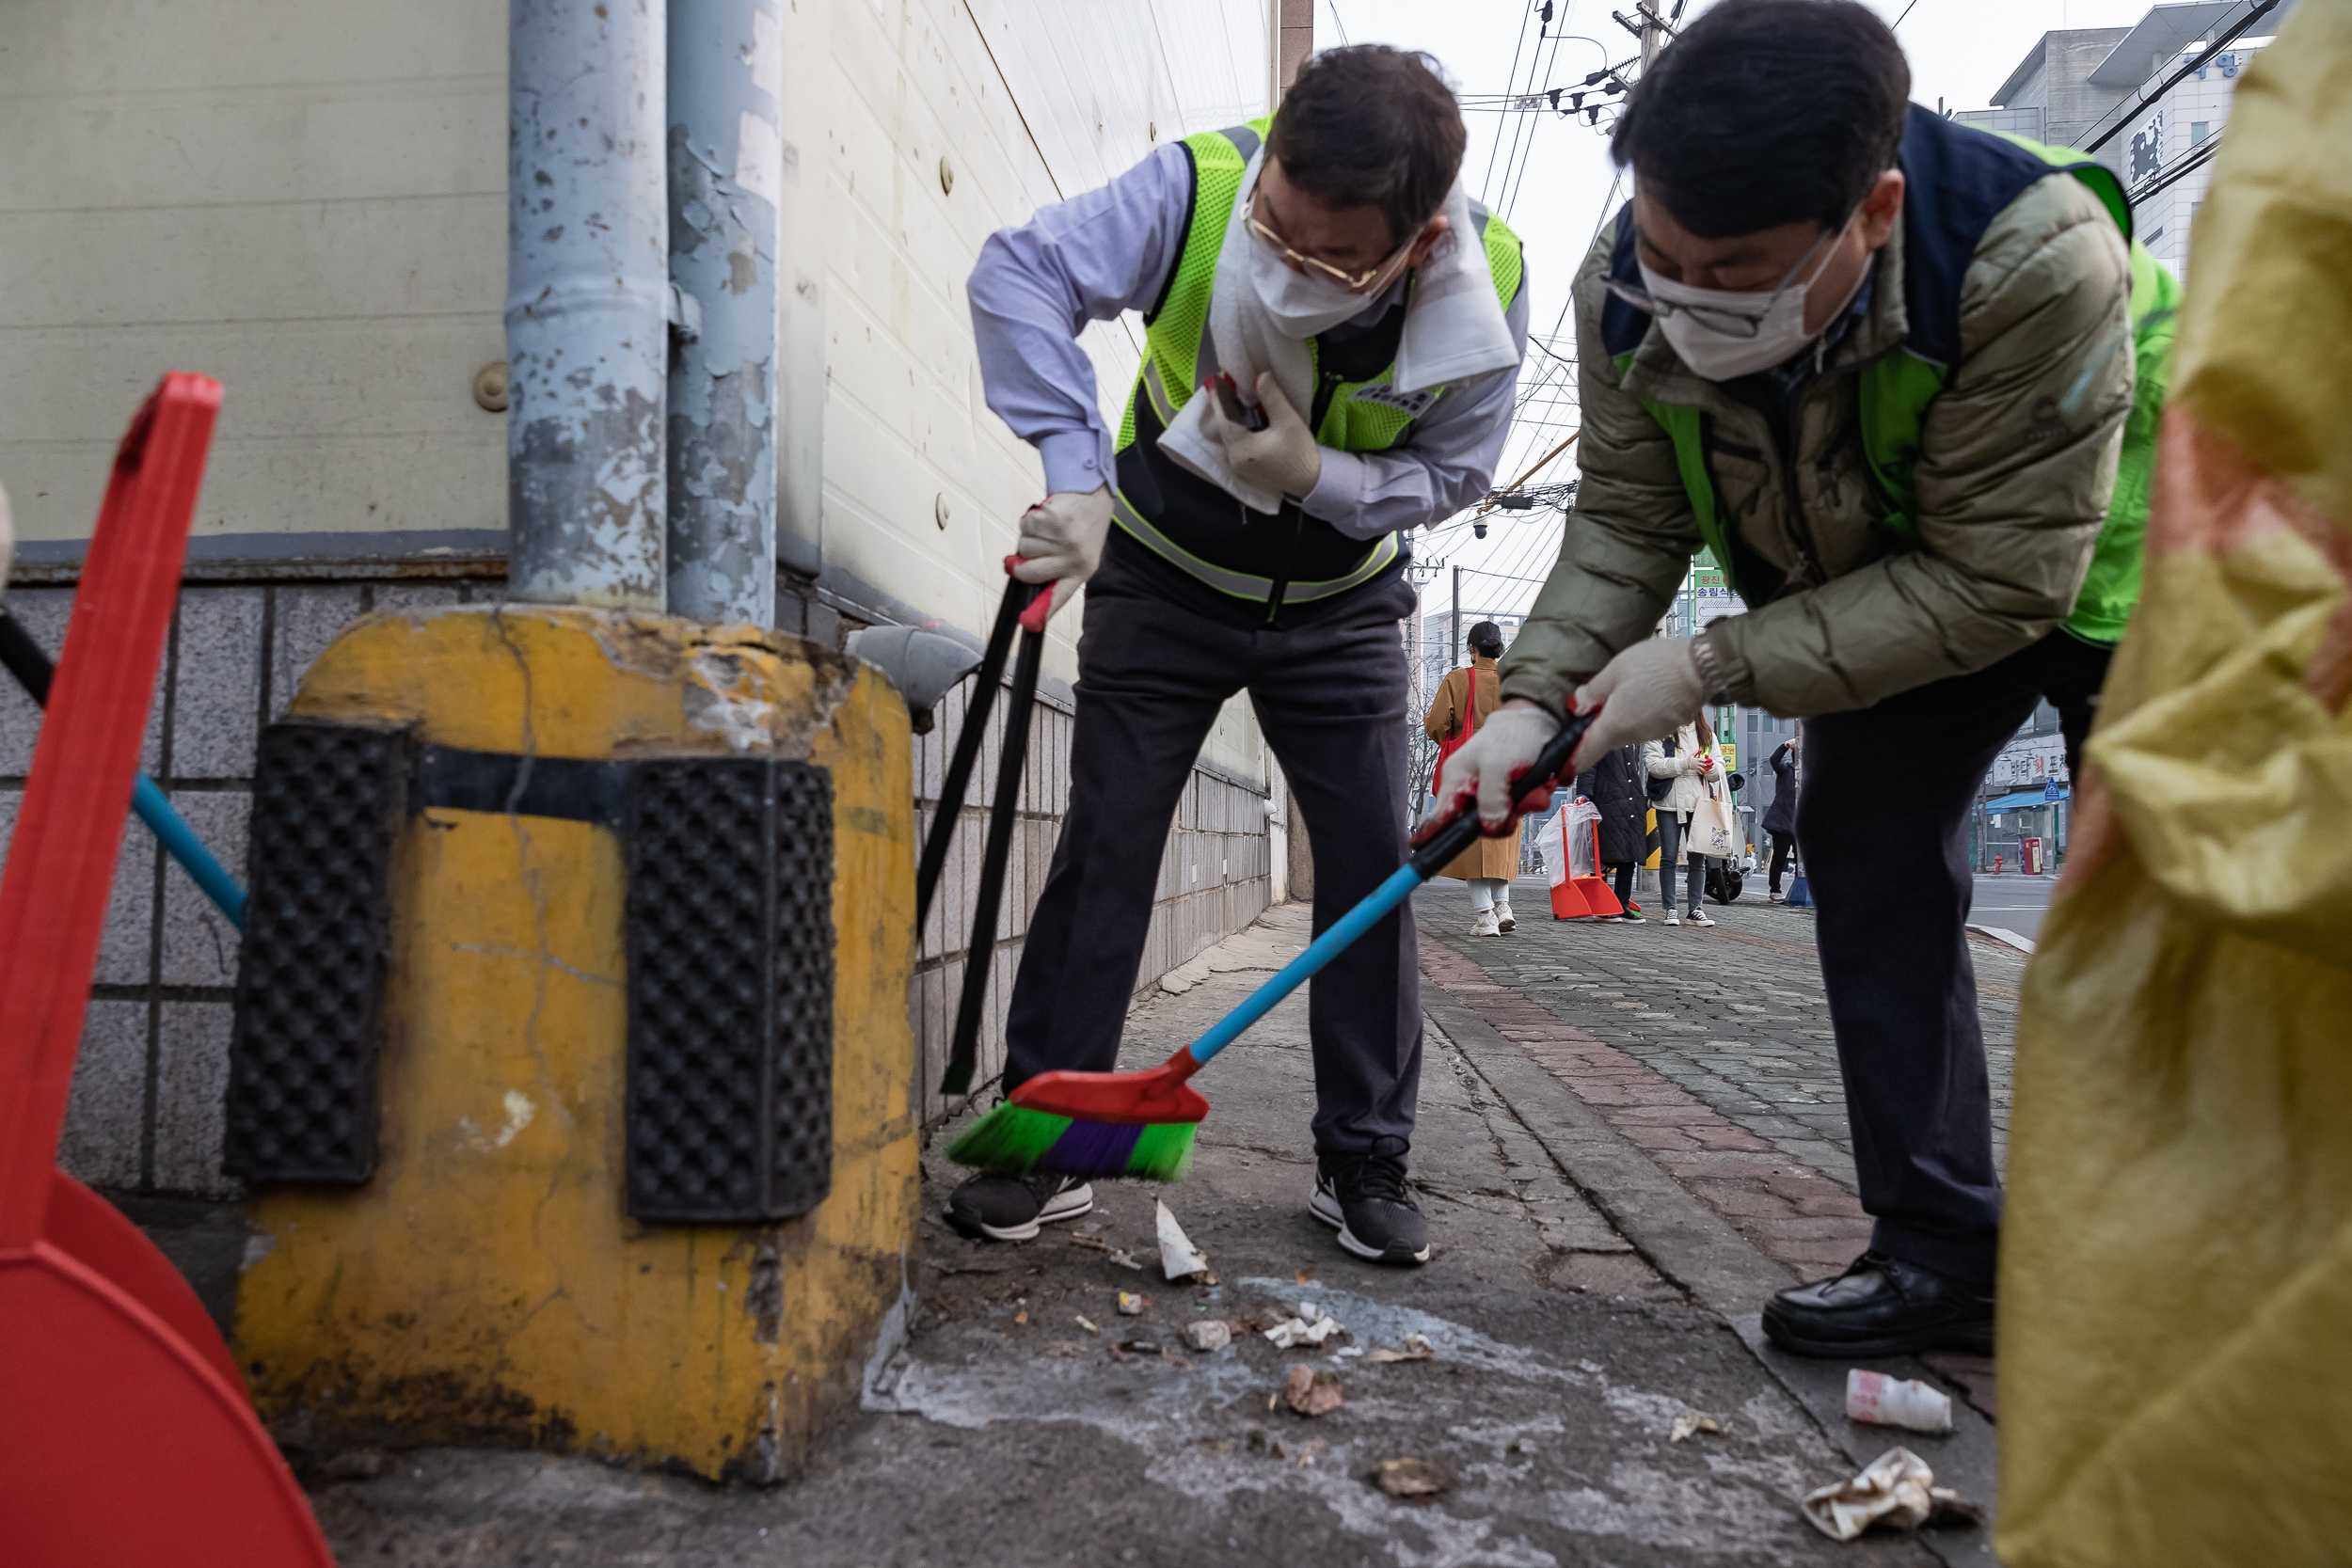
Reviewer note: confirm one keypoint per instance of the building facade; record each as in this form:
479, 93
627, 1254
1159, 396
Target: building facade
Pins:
308, 200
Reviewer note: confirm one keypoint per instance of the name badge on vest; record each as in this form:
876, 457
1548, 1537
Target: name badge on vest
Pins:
1412, 405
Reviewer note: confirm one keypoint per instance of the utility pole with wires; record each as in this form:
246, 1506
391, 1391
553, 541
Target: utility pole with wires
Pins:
1653, 30
1453, 654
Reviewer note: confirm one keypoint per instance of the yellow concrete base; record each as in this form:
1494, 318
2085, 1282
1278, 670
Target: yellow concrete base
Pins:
486, 1287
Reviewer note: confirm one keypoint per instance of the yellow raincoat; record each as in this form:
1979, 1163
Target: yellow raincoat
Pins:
2176, 1273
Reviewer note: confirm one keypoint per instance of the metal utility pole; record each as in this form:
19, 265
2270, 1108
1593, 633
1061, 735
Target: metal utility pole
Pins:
1454, 654
587, 281
727, 175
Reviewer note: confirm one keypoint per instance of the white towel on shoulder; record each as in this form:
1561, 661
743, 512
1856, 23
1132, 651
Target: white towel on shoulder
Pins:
1454, 331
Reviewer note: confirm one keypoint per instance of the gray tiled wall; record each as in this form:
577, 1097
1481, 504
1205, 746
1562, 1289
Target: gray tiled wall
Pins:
145, 1115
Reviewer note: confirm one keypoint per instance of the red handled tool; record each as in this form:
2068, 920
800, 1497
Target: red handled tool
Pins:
125, 1433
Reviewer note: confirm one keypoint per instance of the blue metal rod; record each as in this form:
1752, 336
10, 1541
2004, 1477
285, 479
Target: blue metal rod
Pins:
1459, 833
29, 662
1353, 924
172, 831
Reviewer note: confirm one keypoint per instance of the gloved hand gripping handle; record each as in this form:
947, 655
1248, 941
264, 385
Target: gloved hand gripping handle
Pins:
1456, 834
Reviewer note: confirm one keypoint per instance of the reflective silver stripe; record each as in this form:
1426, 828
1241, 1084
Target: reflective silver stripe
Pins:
1479, 216
1244, 140
1157, 391
1242, 585
1373, 563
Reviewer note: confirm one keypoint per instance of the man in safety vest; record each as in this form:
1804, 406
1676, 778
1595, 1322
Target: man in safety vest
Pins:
1900, 378
1363, 322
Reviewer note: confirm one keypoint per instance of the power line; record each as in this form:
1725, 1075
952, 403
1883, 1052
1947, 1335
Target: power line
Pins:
1899, 20
2146, 97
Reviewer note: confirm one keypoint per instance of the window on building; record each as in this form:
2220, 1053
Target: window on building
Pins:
2198, 129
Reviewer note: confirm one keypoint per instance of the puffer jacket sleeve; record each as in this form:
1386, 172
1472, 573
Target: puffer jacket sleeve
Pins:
1630, 538
2017, 463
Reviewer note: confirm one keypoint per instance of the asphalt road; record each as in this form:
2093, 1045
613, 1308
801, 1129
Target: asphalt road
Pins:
2014, 902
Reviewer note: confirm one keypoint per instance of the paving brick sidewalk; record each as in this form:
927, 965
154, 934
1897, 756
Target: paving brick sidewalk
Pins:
1710, 1048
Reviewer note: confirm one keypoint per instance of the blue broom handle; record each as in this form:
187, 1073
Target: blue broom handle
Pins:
172, 831
1456, 836
1345, 929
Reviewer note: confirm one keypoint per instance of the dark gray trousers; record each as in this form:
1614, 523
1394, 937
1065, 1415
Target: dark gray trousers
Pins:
1883, 817
1331, 698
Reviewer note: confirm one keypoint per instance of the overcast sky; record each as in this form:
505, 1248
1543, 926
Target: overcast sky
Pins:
1961, 51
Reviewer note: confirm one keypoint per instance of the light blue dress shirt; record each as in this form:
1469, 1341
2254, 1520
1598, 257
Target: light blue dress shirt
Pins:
1110, 250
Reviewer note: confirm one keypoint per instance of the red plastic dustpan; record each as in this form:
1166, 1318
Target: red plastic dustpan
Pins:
125, 1433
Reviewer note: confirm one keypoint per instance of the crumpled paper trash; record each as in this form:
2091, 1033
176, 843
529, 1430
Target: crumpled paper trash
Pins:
1897, 1490
1209, 1334
1310, 1327
1888, 1401
1691, 1423
1179, 1257
1415, 1348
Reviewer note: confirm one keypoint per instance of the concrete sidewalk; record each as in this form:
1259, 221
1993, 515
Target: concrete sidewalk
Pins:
1581, 1299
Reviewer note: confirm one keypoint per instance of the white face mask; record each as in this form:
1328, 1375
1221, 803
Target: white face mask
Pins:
1709, 329
1300, 305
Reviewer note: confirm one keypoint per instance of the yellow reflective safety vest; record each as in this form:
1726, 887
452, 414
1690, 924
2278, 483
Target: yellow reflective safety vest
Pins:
1283, 557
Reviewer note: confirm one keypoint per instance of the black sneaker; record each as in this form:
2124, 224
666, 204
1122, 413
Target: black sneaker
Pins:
1881, 1306
1365, 1196
1633, 919
1014, 1208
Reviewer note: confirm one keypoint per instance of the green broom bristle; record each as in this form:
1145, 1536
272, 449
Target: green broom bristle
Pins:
1015, 1140
1164, 1153
1008, 1141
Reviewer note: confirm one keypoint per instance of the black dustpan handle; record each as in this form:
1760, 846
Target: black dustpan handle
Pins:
981, 950
990, 675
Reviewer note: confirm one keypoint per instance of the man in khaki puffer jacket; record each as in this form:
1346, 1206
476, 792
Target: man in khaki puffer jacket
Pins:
1881, 366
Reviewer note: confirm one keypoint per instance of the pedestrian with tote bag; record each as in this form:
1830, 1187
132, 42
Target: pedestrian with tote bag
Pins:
1685, 763
1464, 700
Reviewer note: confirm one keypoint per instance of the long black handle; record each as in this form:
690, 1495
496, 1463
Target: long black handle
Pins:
1018, 595
25, 659
980, 951
1460, 831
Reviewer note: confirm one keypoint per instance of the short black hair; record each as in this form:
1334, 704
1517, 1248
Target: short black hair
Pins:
1767, 112
1485, 637
1372, 126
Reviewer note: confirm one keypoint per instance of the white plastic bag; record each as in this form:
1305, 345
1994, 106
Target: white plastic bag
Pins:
1551, 842
1582, 820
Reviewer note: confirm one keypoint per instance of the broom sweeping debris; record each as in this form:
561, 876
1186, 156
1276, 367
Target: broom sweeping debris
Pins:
1095, 1125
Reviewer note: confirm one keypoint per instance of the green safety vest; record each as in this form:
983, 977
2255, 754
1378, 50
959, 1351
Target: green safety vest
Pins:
1286, 556
1958, 179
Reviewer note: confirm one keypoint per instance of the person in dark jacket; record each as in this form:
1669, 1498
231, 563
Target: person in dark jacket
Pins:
1780, 818
1613, 784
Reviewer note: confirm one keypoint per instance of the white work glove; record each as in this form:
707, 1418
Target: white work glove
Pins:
1482, 769
1651, 688
1061, 541
1283, 457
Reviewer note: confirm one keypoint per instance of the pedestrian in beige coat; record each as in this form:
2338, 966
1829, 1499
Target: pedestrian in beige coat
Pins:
1489, 864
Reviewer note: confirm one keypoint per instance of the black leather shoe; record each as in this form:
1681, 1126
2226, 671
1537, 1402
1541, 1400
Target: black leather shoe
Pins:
1881, 1306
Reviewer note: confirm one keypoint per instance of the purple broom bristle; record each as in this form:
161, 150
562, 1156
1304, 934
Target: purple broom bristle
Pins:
1093, 1149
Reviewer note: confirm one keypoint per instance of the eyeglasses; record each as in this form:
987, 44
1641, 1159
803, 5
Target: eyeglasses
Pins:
1731, 323
1354, 282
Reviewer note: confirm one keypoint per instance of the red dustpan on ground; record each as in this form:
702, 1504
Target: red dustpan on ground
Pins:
125, 1433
